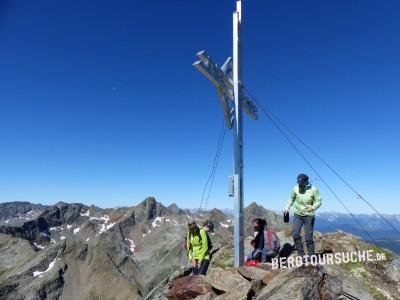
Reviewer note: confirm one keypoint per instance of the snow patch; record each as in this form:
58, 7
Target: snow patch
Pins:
62, 237
131, 245
85, 214
189, 217
102, 228
156, 221
167, 220
76, 230
39, 246
40, 274
6, 221
104, 218
87, 239
110, 226
224, 225
69, 226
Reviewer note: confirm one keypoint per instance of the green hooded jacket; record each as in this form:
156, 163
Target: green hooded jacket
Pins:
198, 248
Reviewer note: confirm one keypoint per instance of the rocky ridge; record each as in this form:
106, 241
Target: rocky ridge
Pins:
363, 280
74, 251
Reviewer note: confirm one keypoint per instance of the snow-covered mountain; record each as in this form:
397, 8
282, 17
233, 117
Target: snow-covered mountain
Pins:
375, 225
75, 251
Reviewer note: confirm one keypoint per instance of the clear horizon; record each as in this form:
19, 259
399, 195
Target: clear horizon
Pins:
101, 104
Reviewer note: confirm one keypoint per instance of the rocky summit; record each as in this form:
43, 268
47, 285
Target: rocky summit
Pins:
74, 251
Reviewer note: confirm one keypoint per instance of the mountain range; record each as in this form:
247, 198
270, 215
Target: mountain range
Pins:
75, 251
381, 230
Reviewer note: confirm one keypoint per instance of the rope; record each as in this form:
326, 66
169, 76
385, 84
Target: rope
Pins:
215, 164
215, 167
308, 163
341, 178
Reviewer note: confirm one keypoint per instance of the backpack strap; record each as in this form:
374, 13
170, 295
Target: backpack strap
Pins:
269, 235
201, 228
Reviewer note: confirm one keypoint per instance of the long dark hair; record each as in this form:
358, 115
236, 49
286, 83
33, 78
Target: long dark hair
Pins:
261, 223
193, 228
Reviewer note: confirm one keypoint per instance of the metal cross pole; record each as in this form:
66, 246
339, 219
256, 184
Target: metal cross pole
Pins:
238, 236
228, 82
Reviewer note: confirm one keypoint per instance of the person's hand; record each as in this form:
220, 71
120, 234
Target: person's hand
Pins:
285, 211
310, 209
194, 263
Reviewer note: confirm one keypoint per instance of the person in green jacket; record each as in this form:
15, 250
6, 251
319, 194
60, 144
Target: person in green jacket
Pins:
198, 249
306, 200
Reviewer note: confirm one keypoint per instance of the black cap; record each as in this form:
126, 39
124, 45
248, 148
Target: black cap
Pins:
302, 178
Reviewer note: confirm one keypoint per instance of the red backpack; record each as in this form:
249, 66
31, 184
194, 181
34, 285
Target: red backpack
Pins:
271, 241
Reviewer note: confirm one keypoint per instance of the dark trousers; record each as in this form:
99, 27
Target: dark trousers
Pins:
262, 255
202, 269
308, 222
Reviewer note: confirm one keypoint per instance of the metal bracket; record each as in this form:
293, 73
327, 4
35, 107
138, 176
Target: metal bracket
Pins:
232, 185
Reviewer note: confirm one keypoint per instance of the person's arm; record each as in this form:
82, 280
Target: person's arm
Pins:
317, 199
204, 245
292, 197
189, 247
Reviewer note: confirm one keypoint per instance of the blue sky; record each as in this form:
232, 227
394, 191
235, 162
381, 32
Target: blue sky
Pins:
100, 103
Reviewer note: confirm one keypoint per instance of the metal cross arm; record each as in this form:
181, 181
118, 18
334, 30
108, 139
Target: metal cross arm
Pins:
219, 77
222, 79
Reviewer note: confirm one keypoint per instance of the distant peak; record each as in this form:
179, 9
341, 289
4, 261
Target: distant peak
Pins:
60, 203
253, 206
173, 206
148, 201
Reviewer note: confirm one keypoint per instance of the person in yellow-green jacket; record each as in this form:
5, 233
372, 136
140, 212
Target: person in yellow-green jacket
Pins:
198, 248
306, 200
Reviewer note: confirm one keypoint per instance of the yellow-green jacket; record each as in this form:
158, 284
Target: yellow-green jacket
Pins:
310, 198
198, 248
